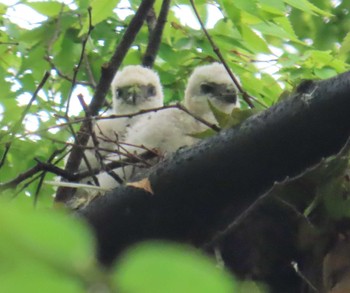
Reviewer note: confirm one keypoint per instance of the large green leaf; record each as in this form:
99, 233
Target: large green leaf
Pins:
43, 250
158, 267
306, 6
48, 8
100, 10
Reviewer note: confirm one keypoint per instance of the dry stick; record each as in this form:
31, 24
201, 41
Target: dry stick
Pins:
20, 178
116, 164
156, 36
48, 167
43, 174
107, 74
216, 50
40, 166
93, 136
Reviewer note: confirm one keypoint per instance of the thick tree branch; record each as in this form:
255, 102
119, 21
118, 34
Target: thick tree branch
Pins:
156, 36
191, 189
107, 74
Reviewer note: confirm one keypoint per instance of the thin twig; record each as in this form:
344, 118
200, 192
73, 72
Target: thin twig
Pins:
92, 135
31, 101
89, 71
302, 276
216, 50
26, 110
3, 159
43, 174
114, 116
48, 167
9, 43
66, 77
198, 118
82, 54
156, 36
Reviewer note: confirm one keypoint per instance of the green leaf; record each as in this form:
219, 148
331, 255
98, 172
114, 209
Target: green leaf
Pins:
204, 134
221, 117
232, 12
345, 47
42, 250
47, 8
325, 72
158, 267
53, 238
238, 116
256, 43
100, 10
273, 6
284, 23
249, 6
272, 29
306, 6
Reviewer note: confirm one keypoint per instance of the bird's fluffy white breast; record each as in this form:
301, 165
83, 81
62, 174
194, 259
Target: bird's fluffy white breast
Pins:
166, 130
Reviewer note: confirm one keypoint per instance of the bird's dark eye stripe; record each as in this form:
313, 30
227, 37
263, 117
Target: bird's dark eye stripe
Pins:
207, 88
151, 90
119, 92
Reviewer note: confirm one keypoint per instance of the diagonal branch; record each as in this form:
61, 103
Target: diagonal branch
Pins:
156, 36
217, 51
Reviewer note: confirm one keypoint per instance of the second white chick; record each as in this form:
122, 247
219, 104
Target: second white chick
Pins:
210, 83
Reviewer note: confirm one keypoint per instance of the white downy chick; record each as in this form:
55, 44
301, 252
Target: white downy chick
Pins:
211, 83
134, 88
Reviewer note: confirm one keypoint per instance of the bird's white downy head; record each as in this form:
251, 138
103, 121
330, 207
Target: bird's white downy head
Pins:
211, 82
136, 88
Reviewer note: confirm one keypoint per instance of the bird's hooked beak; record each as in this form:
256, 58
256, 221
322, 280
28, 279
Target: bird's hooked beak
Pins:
227, 94
132, 94
129, 94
